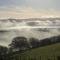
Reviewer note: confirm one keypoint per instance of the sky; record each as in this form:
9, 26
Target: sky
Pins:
29, 8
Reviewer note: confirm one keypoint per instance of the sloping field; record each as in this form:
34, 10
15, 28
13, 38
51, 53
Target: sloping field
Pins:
50, 52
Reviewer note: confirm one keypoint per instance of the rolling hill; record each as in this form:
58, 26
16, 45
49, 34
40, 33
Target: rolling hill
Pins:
50, 52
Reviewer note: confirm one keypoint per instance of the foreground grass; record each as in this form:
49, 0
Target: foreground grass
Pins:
42, 53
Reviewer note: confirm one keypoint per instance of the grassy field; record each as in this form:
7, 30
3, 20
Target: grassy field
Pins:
50, 52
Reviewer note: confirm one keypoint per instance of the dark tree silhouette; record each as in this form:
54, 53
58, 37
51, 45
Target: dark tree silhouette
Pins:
19, 43
34, 42
3, 52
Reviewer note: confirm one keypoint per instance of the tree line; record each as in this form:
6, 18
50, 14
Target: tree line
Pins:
22, 44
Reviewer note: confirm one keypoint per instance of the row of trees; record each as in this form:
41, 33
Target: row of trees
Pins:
3, 51
22, 43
